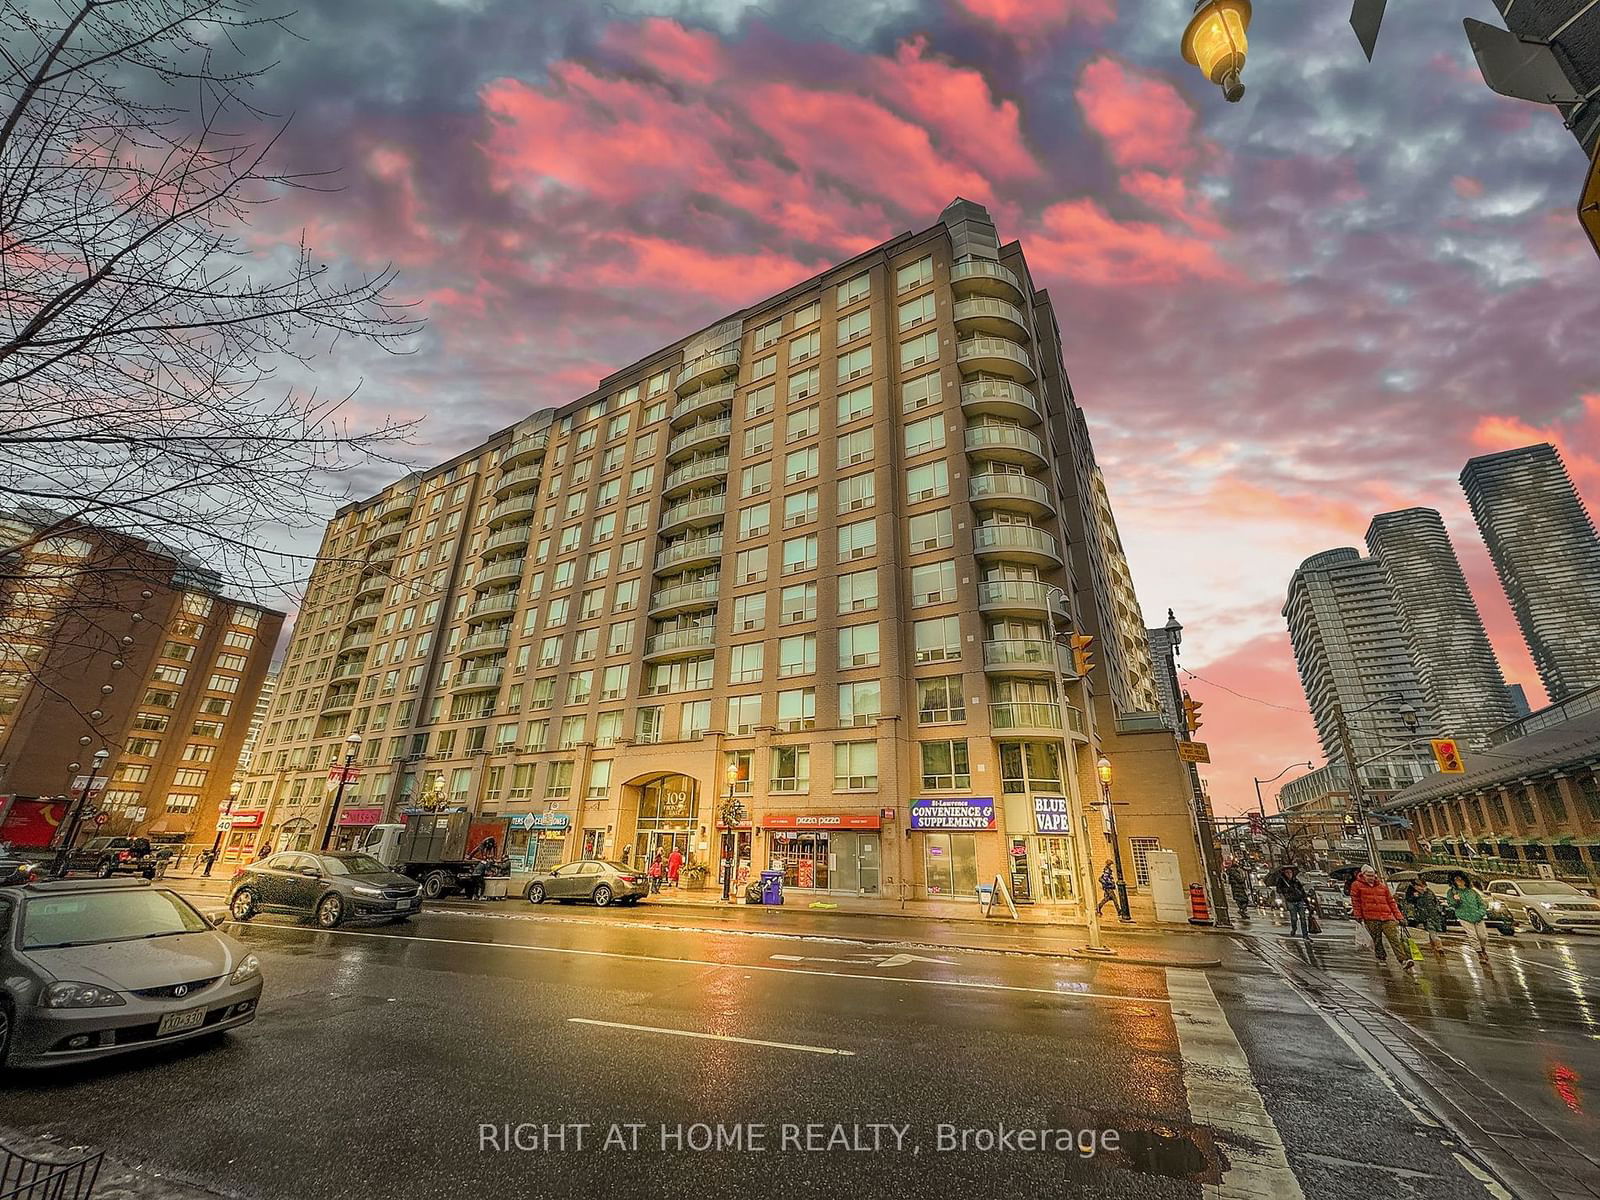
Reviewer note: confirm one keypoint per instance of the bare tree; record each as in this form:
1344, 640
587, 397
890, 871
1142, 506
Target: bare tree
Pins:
152, 362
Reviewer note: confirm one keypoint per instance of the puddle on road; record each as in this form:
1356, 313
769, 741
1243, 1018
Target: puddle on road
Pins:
1188, 1154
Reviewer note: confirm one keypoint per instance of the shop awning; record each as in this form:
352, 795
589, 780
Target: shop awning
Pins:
170, 823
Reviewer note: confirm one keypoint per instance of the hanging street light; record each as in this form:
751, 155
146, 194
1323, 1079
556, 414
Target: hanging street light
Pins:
1215, 42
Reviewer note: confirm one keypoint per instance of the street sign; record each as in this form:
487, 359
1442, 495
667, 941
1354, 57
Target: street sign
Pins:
1194, 752
1447, 756
338, 775
82, 782
101, 818
224, 824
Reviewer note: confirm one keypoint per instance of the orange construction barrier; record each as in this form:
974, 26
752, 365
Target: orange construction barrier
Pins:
1199, 909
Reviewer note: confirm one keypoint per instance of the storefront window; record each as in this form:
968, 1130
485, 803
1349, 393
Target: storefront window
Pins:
950, 863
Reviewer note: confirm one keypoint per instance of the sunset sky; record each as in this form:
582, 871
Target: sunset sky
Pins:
1281, 316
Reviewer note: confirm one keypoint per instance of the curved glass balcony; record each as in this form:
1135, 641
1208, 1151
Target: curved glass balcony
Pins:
1021, 543
707, 368
1001, 398
1006, 443
996, 356
985, 277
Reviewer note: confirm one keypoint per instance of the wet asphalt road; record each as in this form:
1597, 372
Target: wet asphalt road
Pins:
381, 1055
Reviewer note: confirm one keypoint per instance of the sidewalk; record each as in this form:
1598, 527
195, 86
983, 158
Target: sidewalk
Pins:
118, 1180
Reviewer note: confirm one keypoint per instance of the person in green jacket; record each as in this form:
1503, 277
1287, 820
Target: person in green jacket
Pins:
1470, 908
1423, 907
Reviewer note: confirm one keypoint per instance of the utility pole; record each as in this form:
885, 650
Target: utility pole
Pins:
354, 742
59, 868
1358, 797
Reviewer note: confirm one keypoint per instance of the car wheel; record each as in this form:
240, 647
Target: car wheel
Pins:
243, 905
433, 886
1540, 925
105, 870
536, 893
1507, 930
5, 1031
330, 911
602, 896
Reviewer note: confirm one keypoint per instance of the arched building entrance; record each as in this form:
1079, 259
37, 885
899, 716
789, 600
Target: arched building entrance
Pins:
667, 817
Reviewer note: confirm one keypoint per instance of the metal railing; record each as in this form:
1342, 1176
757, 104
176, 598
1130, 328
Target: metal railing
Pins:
24, 1177
1025, 716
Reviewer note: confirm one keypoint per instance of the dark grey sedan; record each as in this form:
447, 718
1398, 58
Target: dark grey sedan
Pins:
590, 879
328, 888
95, 967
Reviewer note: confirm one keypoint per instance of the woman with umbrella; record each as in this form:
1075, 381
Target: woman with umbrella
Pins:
1424, 909
1296, 900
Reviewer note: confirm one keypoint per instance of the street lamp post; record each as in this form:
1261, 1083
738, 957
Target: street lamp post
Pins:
354, 742
1261, 805
1103, 769
1215, 42
227, 811
75, 821
732, 816
1075, 815
1358, 796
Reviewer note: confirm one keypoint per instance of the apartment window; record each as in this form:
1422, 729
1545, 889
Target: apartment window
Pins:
857, 364
764, 368
1030, 767
914, 275
694, 719
804, 384
804, 316
560, 610
799, 508
797, 655
937, 639
855, 448
797, 602
745, 663
647, 725
158, 722
791, 769
579, 685
919, 350
930, 531
614, 682
858, 591
944, 765
852, 290
760, 401
627, 595
542, 693
550, 651
857, 324
858, 646
940, 700
181, 651
592, 604
858, 539
181, 802
575, 503
572, 730
800, 554
804, 346
914, 312
739, 768
641, 481
924, 435
802, 423
644, 446
558, 783
928, 482
797, 709
165, 674
857, 492
635, 518
223, 683
933, 583
585, 644
855, 766
755, 521
758, 440
768, 334
756, 480
133, 773
570, 536
617, 426
653, 413
750, 566
631, 557
564, 574
744, 714
860, 703
607, 493
750, 612
196, 752
144, 747
855, 404
800, 464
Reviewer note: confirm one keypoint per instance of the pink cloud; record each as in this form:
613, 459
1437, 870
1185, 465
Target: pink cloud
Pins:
1467, 187
652, 262
1172, 197
1142, 118
1576, 439
666, 47
1023, 17
1077, 239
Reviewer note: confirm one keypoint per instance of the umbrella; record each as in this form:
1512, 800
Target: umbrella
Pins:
1347, 872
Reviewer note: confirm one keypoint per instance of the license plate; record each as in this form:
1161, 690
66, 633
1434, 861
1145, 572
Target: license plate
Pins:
179, 1022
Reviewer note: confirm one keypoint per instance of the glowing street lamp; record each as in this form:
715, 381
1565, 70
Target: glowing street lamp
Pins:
1215, 42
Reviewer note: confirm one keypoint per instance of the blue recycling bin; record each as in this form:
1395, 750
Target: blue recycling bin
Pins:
772, 887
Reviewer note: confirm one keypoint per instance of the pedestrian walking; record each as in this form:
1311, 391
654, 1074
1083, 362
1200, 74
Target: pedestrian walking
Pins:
1373, 905
1427, 912
1239, 885
1296, 901
674, 866
207, 857
657, 865
1108, 889
1470, 908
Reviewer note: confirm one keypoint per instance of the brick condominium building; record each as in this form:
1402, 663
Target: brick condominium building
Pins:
805, 559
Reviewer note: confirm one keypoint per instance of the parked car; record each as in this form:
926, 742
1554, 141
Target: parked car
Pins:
108, 856
1546, 904
328, 888
590, 879
1328, 894
93, 967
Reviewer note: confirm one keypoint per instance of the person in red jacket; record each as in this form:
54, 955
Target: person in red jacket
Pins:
1373, 905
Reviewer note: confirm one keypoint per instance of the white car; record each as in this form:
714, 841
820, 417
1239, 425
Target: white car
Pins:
1547, 904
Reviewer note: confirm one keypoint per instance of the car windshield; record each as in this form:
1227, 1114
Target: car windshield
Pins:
616, 866
353, 864
1549, 887
90, 918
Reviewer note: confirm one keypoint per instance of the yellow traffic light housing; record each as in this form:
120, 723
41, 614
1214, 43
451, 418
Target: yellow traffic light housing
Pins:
1082, 663
1191, 713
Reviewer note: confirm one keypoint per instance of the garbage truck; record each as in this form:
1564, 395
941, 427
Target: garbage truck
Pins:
446, 852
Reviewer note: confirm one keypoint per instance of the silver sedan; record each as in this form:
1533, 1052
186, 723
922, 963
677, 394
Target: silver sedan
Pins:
590, 879
93, 967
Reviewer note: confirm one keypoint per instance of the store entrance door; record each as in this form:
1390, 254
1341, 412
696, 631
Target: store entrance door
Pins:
1055, 870
804, 857
854, 858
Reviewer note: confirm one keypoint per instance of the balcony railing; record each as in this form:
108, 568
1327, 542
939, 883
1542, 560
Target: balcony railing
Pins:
695, 470
401, 504
989, 315
995, 354
339, 701
1010, 487
693, 510
1013, 539
1004, 594
528, 446
707, 366
364, 612
694, 638
700, 433
703, 400
1004, 441
984, 275
478, 679
513, 509
514, 535
356, 641
499, 571
685, 595
492, 605
1023, 653
489, 639
1025, 716
523, 477
1002, 397
689, 550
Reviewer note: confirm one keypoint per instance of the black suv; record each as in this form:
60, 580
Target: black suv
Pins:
108, 856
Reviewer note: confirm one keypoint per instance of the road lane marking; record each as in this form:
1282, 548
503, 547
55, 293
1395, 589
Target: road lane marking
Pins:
713, 1037
965, 984
1222, 1094
877, 960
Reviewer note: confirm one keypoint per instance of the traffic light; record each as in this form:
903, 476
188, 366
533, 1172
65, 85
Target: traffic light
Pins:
1447, 756
1082, 664
1191, 713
